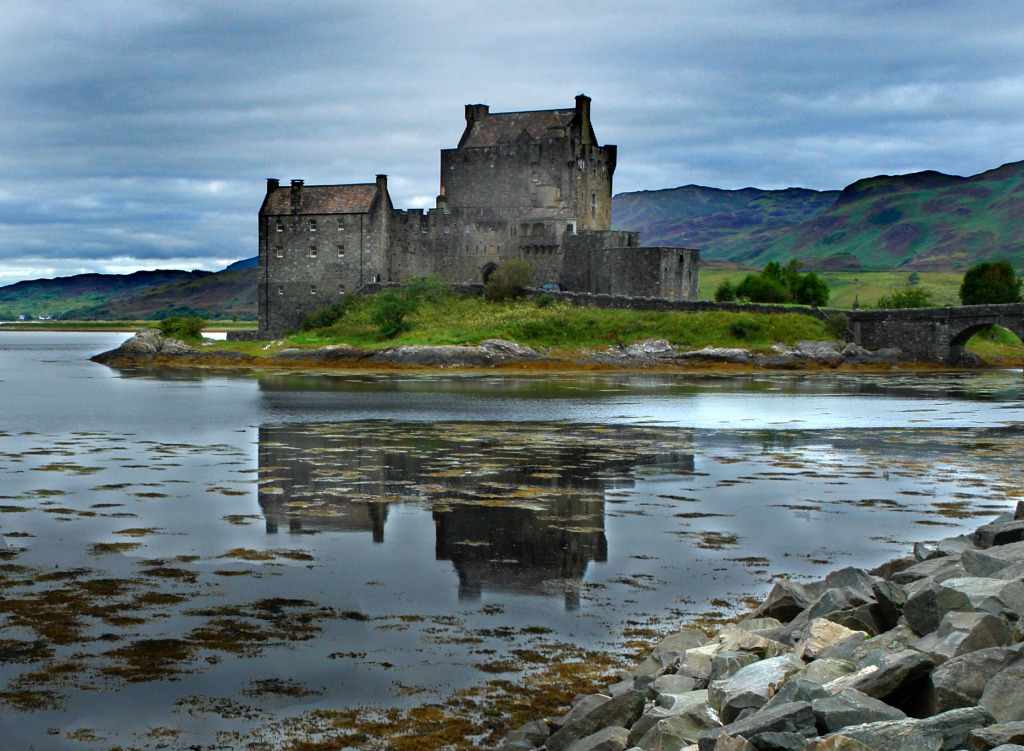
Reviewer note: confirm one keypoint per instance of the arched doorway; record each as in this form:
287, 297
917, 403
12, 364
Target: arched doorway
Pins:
488, 270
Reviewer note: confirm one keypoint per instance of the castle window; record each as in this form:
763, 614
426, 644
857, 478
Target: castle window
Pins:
593, 205
524, 229
312, 289
280, 225
341, 289
570, 228
341, 222
341, 251
312, 251
279, 251
535, 177
538, 230
446, 229
280, 289
312, 225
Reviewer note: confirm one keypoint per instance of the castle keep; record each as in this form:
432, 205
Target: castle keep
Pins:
530, 185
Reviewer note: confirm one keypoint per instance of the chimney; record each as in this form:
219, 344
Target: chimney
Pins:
382, 186
476, 112
297, 196
583, 118
272, 184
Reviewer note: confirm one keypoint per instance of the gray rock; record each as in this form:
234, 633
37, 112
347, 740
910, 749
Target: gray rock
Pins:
873, 651
891, 598
845, 649
675, 732
996, 596
727, 663
671, 684
960, 633
607, 739
936, 569
837, 742
927, 606
778, 741
821, 352
824, 670
751, 686
953, 546
530, 735
820, 634
851, 707
582, 706
717, 354
998, 735
945, 732
960, 682
1004, 693
621, 711
999, 533
896, 680
793, 717
852, 578
984, 562
727, 742
797, 689
671, 648
648, 347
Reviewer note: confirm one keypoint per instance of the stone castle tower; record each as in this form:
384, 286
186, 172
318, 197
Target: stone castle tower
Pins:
530, 185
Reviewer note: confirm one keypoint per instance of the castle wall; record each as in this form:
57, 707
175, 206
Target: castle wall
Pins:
611, 263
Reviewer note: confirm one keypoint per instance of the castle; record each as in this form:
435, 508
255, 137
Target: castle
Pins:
536, 186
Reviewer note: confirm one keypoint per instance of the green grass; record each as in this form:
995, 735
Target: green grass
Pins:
865, 287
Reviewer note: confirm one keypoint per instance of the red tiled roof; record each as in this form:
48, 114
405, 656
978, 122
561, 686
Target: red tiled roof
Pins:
510, 125
323, 199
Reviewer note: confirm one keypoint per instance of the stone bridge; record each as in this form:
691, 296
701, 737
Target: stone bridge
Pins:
937, 334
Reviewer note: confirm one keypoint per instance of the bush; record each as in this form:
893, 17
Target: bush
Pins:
783, 284
746, 327
908, 297
428, 288
388, 312
838, 325
763, 289
726, 292
507, 281
326, 317
990, 283
182, 328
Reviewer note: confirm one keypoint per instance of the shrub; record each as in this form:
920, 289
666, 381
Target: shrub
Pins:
326, 317
506, 282
763, 289
726, 292
838, 325
908, 297
182, 328
746, 327
428, 288
388, 312
545, 300
990, 283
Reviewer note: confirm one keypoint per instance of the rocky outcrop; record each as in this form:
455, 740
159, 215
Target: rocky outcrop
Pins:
151, 346
916, 654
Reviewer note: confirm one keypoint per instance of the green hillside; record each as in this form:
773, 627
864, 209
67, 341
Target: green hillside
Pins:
722, 223
922, 221
141, 295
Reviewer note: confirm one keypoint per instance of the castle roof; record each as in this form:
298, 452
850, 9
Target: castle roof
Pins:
323, 199
508, 127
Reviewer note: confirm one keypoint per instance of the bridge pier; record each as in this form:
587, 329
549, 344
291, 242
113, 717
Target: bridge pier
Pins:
932, 334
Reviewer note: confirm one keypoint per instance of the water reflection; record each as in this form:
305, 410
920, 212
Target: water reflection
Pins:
516, 507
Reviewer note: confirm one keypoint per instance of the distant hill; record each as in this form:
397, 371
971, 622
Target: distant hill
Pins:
921, 221
141, 295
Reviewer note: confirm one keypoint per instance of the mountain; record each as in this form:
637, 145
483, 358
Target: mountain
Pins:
141, 295
921, 221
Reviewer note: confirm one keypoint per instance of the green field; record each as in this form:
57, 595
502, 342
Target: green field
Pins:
863, 287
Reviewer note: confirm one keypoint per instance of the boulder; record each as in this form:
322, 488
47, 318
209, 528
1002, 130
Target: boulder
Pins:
891, 598
531, 735
945, 732
999, 533
607, 739
998, 735
851, 707
820, 634
824, 670
961, 633
952, 546
1003, 695
960, 681
675, 732
792, 717
621, 711
935, 569
996, 596
751, 686
926, 607
727, 663
896, 680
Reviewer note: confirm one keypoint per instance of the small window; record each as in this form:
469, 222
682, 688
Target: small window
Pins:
535, 177
280, 289
446, 229
312, 251
341, 222
279, 251
341, 251
280, 225
312, 225
312, 289
593, 205
341, 289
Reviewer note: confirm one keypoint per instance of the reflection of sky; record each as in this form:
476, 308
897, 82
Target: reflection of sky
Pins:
781, 462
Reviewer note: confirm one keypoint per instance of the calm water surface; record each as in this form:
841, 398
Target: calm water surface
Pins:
192, 558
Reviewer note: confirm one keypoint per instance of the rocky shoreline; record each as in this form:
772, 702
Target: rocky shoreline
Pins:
923, 653
151, 346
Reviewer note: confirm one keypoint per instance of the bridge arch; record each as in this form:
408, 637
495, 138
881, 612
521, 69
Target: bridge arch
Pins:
958, 341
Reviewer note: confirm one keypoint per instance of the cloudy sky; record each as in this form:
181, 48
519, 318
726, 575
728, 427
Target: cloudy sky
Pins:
137, 134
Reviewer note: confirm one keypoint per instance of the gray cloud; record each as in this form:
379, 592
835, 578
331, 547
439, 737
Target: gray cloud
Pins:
138, 134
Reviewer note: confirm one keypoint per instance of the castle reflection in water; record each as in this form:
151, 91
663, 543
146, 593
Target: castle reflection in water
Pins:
516, 507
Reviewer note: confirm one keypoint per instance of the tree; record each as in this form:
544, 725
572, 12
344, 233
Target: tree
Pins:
990, 283
784, 284
388, 312
725, 292
507, 280
182, 328
908, 297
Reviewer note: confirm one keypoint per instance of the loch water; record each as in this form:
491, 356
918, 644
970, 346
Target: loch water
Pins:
197, 558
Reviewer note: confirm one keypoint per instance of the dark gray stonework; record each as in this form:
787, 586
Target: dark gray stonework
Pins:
933, 334
535, 186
